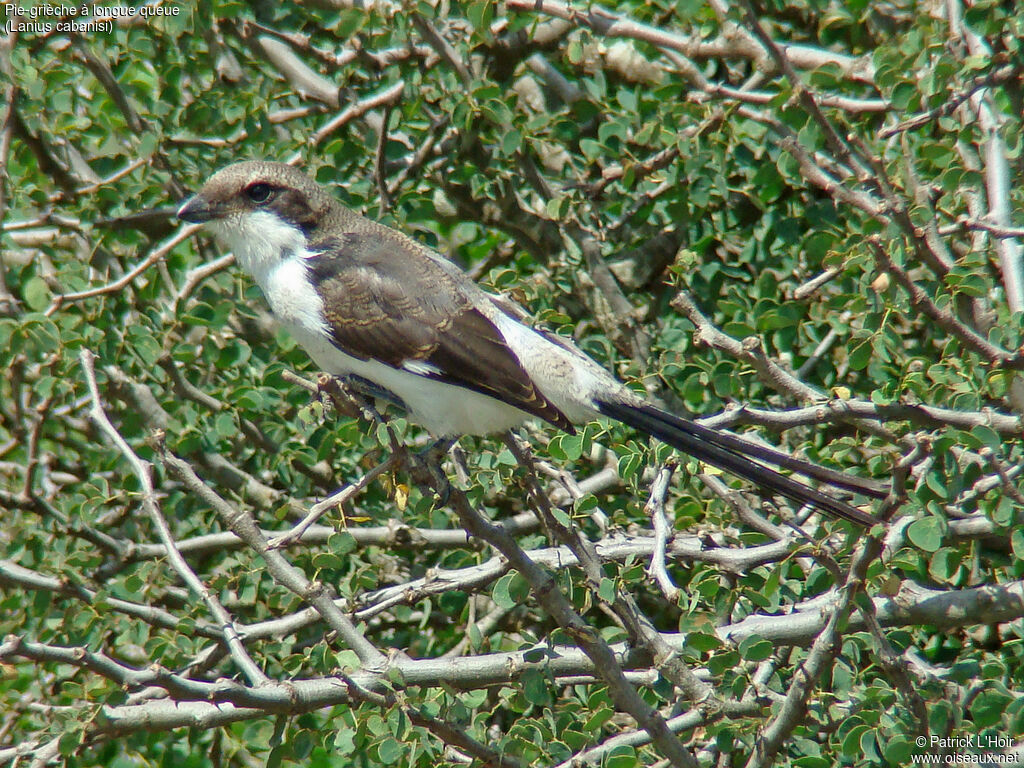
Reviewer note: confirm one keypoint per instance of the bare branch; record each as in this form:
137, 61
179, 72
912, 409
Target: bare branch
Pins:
390, 95
334, 500
655, 509
151, 258
242, 525
546, 590
143, 471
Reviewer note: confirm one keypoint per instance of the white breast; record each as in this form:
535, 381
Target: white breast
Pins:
293, 298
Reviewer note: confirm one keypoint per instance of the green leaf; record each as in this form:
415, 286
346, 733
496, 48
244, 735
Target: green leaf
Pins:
897, 750
621, 757
1017, 542
607, 591
536, 687
988, 708
344, 741
347, 660
926, 533
812, 761
390, 751
598, 718
701, 642
590, 148
69, 742
36, 294
561, 517
510, 590
481, 14
851, 744
944, 564
328, 561
754, 648
572, 446
860, 356
341, 543
987, 436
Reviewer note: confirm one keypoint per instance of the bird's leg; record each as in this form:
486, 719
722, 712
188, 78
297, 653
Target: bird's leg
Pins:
356, 396
351, 397
427, 464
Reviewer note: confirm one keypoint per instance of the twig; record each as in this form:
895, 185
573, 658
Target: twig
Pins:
768, 371
113, 178
196, 276
837, 411
655, 509
389, 95
823, 652
545, 589
13, 575
154, 256
102, 72
6, 135
819, 351
1005, 476
432, 144
950, 104
811, 287
186, 389
305, 80
622, 310
623, 605
804, 94
743, 510
635, 738
895, 667
334, 500
997, 165
143, 471
378, 162
553, 78
652, 164
942, 317
443, 48
732, 42
316, 594
993, 229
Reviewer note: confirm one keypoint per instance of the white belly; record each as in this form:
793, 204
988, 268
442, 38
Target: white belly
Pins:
442, 409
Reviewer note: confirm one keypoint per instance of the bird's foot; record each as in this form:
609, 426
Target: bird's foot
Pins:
426, 469
349, 397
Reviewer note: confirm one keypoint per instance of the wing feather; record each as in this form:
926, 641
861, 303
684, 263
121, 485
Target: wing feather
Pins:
385, 302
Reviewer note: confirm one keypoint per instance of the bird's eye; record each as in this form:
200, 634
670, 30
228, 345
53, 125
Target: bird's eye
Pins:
259, 192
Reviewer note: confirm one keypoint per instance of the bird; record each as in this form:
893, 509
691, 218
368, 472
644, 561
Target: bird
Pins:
371, 304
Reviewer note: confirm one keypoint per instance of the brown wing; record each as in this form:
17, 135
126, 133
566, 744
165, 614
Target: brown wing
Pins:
387, 301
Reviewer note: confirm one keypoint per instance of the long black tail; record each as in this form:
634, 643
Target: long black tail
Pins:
737, 456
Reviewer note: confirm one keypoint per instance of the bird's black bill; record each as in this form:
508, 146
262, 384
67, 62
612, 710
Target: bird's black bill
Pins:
735, 455
196, 210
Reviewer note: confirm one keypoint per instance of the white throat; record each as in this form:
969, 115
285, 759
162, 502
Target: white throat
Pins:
261, 242
275, 254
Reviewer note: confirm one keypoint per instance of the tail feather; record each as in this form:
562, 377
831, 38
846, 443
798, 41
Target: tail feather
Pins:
737, 456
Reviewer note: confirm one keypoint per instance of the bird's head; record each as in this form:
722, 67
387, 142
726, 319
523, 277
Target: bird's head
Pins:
263, 211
